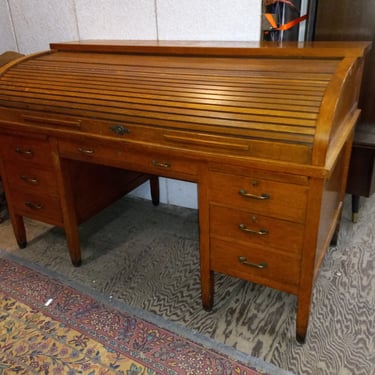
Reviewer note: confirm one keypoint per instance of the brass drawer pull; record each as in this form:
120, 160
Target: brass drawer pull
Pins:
24, 152
243, 260
161, 164
33, 206
245, 194
87, 151
261, 232
31, 180
119, 129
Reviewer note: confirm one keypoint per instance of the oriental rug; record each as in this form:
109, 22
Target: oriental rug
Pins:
47, 327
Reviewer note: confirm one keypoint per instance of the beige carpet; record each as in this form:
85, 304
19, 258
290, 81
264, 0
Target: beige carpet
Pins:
147, 257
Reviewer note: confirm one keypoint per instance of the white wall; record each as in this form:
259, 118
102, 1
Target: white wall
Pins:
29, 26
7, 38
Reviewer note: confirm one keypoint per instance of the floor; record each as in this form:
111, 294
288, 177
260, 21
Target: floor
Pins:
147, 257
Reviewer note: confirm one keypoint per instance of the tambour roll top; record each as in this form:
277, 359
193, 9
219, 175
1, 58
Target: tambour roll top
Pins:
286, 103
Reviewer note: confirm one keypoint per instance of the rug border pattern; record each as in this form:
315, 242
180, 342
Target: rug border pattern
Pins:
63, 296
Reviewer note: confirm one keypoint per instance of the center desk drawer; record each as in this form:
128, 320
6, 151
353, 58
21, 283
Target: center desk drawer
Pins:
123, 156
249, 228
259, 195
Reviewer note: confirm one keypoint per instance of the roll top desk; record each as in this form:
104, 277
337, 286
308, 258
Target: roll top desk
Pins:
264, 130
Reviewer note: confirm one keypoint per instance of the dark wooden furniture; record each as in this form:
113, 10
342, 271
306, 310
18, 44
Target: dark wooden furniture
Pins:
361, 181
354, 20
265, 130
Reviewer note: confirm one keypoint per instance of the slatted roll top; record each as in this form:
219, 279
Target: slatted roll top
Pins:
260, 100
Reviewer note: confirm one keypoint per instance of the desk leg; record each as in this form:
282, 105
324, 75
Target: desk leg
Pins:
207, 275
69, 212
73, 241
207, 289
18, 229
155, 190
307, 264
335, 235
18, 224
303, 313
355, 208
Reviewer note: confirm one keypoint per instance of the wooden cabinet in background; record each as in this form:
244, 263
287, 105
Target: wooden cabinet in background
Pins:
347, 20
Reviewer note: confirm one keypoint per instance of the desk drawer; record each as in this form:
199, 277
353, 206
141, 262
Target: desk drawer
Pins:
26, 176
25, 149
259, 195
129, 157
249, 228
256, 264
36, 206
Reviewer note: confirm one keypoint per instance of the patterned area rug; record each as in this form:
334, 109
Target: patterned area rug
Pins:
147, 258
48, 327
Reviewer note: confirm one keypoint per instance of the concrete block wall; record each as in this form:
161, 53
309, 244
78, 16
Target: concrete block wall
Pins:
28, 26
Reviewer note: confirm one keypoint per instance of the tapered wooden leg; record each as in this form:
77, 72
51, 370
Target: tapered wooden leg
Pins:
73, 241
18, 224
155, 190
69, 211
355, 208
19, 230
207, 275
335, 235
301, 339
301, 330
72, 234
207, 289
303, 313
2, 201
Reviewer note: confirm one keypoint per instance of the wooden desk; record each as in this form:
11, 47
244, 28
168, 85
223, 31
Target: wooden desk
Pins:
265, 130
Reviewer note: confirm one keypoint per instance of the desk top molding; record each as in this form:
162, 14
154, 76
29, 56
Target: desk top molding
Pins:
219, 48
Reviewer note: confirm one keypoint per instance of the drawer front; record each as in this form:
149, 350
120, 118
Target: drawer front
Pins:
261, 196
26, 176
35, 206
125, 156
251, 228
256, 264
25, 149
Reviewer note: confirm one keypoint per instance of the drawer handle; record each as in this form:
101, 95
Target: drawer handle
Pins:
245, 194
243, 260
86, 151
24, 152
261, 232
119, 129
33, 206
161, 164
31, 180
